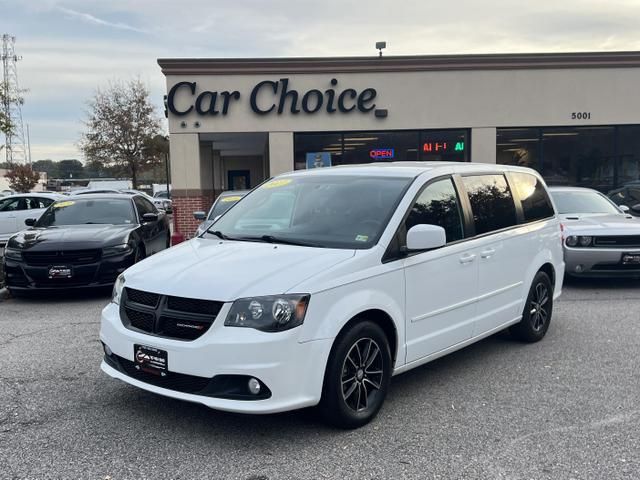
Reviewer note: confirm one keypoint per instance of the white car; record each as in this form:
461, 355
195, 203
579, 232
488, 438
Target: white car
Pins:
601, 238
320, 285
15, 209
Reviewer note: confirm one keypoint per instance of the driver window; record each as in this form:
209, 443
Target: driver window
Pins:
438, 204
11, 205
144, 206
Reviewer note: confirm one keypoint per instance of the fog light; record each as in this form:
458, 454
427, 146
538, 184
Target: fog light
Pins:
579, 268
254, 386
107, 350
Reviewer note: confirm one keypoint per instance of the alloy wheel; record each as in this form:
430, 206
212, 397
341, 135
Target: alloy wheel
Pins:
538, 307
362, 374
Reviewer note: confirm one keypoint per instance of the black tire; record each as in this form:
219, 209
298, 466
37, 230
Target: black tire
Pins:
351, 405
538, 309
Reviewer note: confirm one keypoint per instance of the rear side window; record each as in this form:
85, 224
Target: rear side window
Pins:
438, 205
533, 196
491, 202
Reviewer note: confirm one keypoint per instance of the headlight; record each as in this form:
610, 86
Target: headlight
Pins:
12, 254
572, 241
268, 314
585, 241
117, 289
116, 250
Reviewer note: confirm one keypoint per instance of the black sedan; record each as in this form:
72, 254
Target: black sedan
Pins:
84, 241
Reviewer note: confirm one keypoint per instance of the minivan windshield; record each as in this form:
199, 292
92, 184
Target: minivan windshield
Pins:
83, 211
320, 210
582, 202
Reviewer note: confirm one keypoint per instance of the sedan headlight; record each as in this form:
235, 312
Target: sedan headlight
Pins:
12, 254
268, 314
117, 289
117, 250
572, 241
585, 241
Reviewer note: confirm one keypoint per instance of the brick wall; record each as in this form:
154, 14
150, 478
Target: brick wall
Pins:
183, 208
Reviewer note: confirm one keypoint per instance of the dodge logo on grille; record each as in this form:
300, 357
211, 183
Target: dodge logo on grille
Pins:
188, 325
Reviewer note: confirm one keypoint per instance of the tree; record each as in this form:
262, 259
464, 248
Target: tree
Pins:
5, 124
22, 178
70, 168
120, 124
48, 166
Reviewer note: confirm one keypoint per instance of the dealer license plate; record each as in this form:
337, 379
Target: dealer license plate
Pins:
631, 258
150, 359
60, 272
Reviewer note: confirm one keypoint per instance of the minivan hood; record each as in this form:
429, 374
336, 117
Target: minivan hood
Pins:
227, 270
601, 224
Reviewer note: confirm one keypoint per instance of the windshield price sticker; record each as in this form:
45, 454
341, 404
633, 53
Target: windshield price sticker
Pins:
68, 203
235, 198
362, 238
278, 183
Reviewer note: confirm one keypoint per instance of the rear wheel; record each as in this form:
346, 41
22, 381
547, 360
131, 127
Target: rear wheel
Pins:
536, 316
357, 376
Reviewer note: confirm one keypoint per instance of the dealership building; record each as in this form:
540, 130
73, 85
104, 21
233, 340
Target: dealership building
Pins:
574, 117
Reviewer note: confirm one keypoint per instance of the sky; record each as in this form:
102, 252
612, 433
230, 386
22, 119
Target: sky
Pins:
70, 48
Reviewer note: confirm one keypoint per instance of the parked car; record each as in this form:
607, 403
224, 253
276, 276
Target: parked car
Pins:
15, 209
92, 191
160, 204
84, 241
223, 203
165, 198
600, 239
627, 196
367, 272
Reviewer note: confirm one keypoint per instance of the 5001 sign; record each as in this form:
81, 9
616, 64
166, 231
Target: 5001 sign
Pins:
580, 115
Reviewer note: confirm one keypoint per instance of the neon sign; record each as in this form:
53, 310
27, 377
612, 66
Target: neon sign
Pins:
430, 147
381, 153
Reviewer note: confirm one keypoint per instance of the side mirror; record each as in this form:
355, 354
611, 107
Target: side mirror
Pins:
624, 208
30, 222
200, 216
150, 217
425, 237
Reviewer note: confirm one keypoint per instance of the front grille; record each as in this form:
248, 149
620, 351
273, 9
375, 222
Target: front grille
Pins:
165, 316
143, 298
617, 241
193, 305
62, 257
616, 267
141, 320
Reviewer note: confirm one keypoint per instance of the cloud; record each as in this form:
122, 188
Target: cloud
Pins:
87, 17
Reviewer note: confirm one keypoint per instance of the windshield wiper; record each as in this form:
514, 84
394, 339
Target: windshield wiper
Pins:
284, 241
218, 234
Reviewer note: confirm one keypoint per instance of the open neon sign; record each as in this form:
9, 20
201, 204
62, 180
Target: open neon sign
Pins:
381, 153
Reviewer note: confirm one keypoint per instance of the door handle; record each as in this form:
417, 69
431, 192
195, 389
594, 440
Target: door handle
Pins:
488, 253
468, 258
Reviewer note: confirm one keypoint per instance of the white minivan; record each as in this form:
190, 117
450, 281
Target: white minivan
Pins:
320, 285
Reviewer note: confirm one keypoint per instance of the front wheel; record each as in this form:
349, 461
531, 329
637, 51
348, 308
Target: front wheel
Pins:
357, 376
536, 316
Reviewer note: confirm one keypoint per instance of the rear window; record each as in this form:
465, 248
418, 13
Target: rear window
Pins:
535, 201
491, 202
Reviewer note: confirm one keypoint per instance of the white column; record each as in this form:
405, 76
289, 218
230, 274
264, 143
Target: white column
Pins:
483, 145
280, 152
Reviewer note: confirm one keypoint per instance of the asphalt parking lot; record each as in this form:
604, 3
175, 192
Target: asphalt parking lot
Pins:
565, 408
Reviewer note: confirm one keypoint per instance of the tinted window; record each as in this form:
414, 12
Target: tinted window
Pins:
582, 202
144, 206
88, 211
36, 202
533, 196
491, 202
438, 205
12, 204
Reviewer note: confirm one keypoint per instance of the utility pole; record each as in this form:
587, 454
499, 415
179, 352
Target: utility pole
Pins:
15, 145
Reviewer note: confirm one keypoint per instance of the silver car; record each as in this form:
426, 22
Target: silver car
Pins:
600, 238
223, 203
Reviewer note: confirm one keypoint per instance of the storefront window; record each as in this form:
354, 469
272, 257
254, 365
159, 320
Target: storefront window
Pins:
628, 155
518, 146
349, 148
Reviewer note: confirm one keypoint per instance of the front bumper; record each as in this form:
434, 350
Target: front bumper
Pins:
103, 273
291, 370
599, 262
